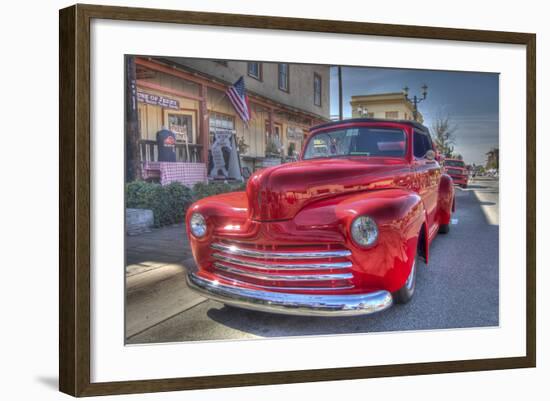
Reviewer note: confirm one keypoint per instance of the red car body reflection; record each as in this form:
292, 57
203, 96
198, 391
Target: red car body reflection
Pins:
285, 245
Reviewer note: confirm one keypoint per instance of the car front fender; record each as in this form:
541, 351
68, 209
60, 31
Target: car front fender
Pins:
399, 214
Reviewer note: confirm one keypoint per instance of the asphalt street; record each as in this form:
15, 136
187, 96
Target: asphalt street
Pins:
459, 288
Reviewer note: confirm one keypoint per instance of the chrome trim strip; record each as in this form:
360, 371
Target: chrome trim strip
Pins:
283, 277
279, 266
272, 287
233, 250
291, 304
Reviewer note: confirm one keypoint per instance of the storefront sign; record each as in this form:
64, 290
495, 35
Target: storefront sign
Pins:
158, 100
294, 133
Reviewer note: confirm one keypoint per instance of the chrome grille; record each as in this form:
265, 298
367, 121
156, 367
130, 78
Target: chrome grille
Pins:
288, 268
283, 277
234, 250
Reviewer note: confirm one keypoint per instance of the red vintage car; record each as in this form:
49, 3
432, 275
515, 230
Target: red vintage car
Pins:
457, 170
339, 232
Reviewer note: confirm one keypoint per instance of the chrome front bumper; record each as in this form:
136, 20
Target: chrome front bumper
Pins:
290, 303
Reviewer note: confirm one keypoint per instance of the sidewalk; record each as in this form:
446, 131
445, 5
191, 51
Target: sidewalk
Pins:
156, 290
158, 247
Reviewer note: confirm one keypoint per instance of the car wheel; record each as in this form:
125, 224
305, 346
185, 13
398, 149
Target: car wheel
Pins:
231, 308
405, 293
444, 228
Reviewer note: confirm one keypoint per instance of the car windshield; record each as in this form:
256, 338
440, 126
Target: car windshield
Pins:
357, 141
454, 163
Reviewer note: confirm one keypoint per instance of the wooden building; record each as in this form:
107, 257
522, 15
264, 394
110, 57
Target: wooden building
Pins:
188, 97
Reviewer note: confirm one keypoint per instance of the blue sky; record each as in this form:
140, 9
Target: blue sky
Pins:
470, 99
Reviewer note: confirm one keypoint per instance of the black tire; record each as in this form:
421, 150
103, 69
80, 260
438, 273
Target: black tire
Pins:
231, 308
405, 293
444, 228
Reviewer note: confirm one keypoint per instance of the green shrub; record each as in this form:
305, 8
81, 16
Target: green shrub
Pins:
202, 190
170, 202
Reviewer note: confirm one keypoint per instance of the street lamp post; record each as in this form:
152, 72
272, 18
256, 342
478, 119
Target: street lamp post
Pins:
415, 100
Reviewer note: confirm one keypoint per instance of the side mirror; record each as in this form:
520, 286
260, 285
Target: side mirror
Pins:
430, 155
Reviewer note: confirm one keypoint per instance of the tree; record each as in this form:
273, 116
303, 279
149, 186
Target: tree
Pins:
492, 159
444, 130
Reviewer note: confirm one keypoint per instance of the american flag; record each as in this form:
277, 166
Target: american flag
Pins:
239, 99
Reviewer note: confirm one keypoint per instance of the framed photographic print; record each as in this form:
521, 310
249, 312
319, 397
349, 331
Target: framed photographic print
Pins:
250, 200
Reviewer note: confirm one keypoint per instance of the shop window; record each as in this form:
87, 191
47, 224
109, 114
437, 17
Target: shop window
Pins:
181, 124
273, 140
221, 121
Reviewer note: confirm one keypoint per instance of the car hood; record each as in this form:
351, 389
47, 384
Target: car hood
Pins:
279, 192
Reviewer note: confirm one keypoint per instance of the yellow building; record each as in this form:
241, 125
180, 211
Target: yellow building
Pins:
392, 106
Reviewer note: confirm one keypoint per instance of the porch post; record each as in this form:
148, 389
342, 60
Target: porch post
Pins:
271, 125
205, 125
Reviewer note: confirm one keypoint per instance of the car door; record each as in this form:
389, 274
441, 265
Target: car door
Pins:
427, 174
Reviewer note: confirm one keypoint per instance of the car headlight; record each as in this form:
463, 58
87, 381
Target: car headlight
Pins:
364, 231
197, 223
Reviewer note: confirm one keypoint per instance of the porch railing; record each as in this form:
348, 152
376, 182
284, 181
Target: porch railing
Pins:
190, 153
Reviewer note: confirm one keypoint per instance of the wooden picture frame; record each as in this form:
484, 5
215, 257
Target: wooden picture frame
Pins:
74, 200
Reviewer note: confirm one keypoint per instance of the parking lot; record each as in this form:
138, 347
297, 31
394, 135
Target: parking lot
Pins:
458, 289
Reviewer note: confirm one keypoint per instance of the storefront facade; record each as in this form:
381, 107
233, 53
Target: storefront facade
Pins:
188, 98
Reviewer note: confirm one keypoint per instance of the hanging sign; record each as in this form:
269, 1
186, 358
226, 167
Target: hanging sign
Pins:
157, 100
295, 133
